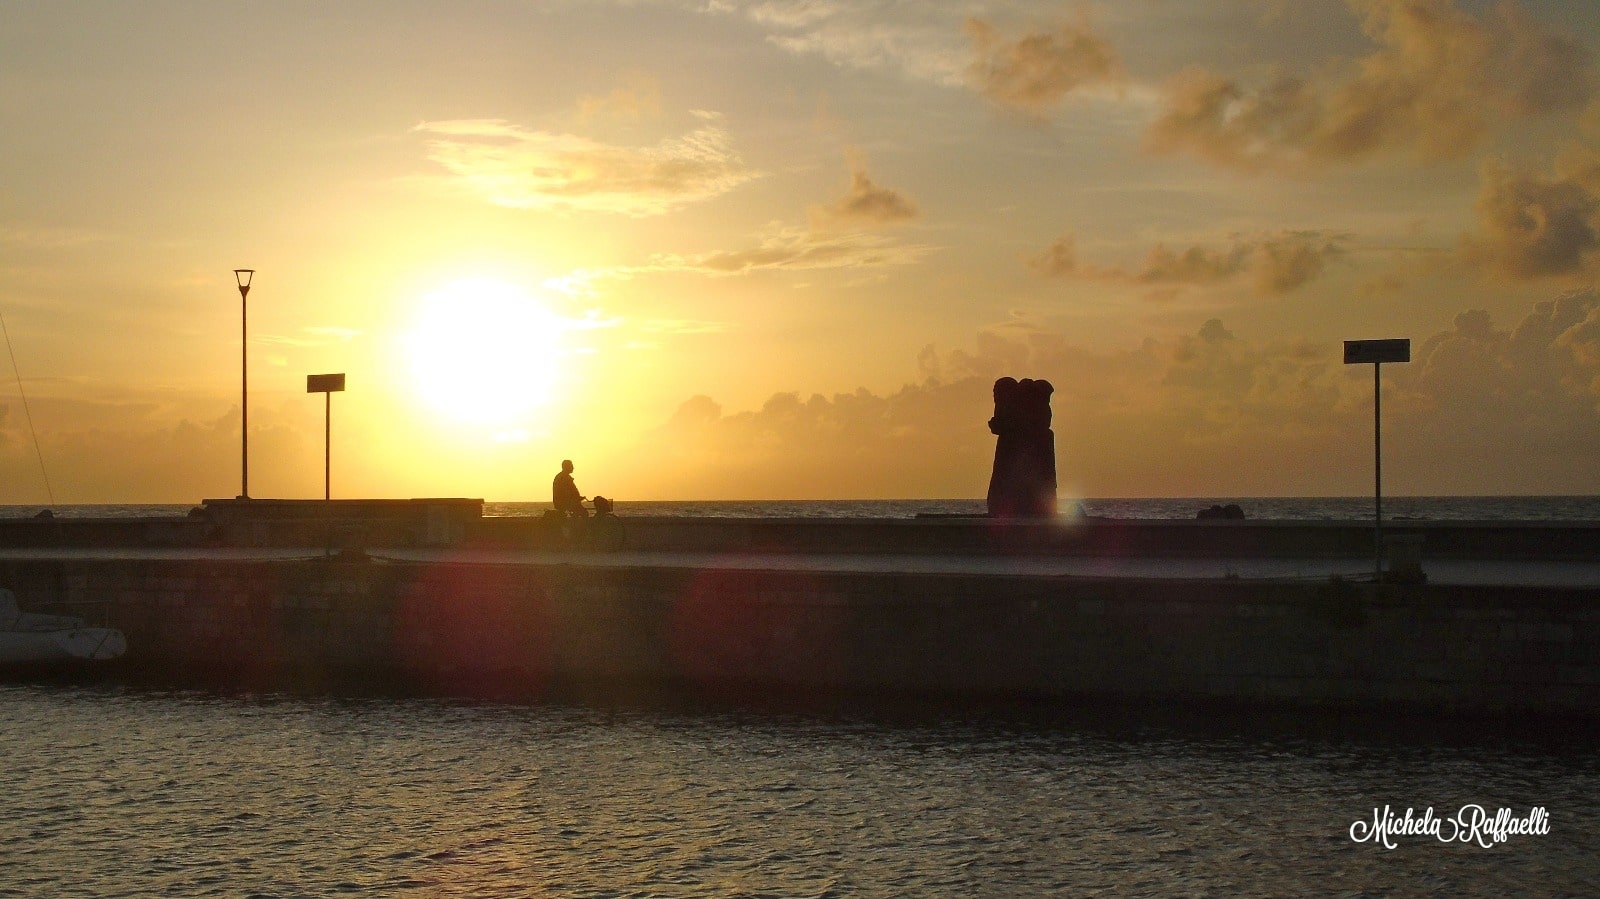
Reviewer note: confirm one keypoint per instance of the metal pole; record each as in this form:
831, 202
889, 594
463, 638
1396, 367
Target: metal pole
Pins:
327, 445
244, 395
1377, 472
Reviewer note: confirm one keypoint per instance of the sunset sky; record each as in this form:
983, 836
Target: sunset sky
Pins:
780, 249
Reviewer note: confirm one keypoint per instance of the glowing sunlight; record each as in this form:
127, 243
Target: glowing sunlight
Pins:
483, 352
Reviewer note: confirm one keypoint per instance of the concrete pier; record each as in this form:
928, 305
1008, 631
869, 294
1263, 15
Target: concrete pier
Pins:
1482, 635
459, 523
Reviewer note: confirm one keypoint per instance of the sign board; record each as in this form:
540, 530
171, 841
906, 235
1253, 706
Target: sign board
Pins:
1396, 350
325, 383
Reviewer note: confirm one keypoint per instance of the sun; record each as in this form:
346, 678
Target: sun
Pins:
484, 352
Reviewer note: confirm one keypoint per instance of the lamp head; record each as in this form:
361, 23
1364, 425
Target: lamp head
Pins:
243, 276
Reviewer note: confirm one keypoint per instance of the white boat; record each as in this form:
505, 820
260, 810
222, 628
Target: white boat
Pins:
32, 638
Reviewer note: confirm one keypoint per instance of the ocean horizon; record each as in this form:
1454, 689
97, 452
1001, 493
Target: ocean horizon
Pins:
1281, 508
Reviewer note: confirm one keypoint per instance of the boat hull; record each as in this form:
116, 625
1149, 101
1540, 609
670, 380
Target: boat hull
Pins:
68, 645
33, 638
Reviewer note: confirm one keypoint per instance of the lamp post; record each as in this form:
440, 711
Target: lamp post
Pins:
242, 276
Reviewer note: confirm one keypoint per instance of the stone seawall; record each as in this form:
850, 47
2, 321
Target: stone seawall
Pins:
526, 628
429, 524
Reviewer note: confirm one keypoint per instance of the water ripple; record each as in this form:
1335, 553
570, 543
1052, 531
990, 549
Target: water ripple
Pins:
114, 792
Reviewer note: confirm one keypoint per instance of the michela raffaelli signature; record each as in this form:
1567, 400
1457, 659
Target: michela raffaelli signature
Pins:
1472, 824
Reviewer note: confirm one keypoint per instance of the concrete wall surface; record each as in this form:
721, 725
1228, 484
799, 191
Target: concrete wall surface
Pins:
448, 522
528, 628
1098, 537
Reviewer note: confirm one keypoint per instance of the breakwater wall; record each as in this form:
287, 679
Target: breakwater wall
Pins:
400, 523
529, 629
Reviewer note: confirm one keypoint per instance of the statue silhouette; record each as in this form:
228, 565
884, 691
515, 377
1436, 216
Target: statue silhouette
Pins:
1023, 484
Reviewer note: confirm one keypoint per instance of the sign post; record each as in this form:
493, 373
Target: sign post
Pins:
326, 385
1377, 352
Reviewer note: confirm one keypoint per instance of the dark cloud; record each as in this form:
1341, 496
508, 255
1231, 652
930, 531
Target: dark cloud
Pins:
1215, 118
1276, 265
1284, 264
1438, 81
865, 203
1059, 259
1213, 331
1034, 73
1194, 265
1534, 226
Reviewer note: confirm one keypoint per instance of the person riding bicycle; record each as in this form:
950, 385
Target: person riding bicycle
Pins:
564, 493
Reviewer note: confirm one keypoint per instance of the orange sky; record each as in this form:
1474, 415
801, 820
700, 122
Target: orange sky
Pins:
782, 248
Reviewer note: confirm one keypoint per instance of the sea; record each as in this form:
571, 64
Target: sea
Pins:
111, 786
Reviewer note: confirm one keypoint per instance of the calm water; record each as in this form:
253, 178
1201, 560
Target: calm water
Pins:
1347, 508
121, 791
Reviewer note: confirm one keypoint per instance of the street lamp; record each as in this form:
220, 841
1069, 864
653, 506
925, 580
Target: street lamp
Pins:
242, 276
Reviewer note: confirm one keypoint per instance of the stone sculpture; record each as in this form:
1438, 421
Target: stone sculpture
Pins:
1023, 484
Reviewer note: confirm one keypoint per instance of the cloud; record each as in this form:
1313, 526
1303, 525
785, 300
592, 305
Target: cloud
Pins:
139, 451
933, 43
1285, 264
1583, 341
779, 248
1213, 331
1536, 226
851, 444
789, 248
1059, 259
1149, 419
835, 239
865, 203
1276, 265
793, 14
1209, 413
1195, 265
1034, 73
1438, 81
580, 282
921, 42
512, 166
639, 98
1497, 397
